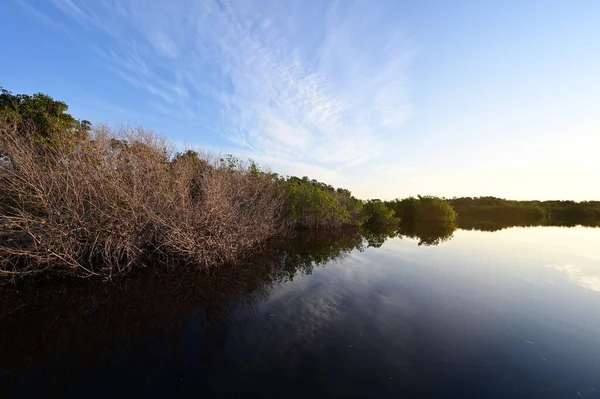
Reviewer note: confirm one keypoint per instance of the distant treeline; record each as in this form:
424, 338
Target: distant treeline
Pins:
525, 213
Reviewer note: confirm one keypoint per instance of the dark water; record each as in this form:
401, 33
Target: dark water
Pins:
507, 314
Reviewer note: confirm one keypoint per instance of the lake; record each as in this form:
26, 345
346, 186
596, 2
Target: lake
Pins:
513, 313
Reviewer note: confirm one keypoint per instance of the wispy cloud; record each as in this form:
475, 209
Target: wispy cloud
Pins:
299, 83
41, 17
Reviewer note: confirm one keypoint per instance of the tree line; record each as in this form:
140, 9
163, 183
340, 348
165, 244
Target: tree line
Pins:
86, 200
504, 212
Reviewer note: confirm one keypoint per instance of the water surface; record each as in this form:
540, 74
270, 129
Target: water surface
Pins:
470, 314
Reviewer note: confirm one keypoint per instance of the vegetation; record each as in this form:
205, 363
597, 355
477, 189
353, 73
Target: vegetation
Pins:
571, 212
100, 203
90, 201
378, 214
498, 212
311, 204
423, 209
40, 118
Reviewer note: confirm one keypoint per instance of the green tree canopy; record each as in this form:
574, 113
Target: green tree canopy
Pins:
423, 208
39, 117
376, 213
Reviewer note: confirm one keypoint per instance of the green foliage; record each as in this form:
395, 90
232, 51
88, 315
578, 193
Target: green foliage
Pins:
41, 118
377, 213
497, 213
423, 208
435, 209
571, 212
312, 204
191, 157
497, 210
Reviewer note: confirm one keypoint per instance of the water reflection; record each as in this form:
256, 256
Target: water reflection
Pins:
429, 233
94, 318
87, 321
70, 311
469, 223
377, 236
318, 310
588, 278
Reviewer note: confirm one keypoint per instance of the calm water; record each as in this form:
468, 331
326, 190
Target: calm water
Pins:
512, 313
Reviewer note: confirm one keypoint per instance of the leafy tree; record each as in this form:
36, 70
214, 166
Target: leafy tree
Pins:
376, 213
313, 204
423, 208
40, 118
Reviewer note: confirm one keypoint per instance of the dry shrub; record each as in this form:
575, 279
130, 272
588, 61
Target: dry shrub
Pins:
116, 200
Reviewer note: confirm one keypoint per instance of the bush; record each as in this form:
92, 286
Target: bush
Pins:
311, 204
115, 200
378, 214
423, 208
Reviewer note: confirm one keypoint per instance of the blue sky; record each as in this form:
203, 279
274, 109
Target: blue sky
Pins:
386, 98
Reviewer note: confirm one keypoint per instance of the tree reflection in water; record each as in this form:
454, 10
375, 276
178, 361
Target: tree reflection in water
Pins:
86, 322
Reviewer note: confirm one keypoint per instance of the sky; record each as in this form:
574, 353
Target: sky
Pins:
386, 98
